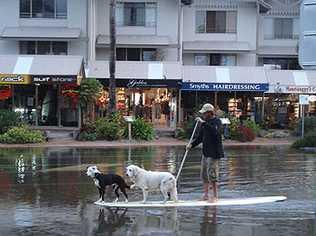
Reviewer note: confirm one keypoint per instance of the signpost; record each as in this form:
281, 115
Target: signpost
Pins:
129, 120
303, 100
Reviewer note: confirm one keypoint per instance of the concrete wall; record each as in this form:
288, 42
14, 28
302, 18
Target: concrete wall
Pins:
9, 17
276, 43
166, 25
246, 32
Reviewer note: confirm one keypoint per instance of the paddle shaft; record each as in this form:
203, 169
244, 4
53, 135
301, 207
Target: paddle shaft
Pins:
186, 151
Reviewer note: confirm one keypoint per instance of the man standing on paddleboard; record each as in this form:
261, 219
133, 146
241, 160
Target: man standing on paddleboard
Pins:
210, 137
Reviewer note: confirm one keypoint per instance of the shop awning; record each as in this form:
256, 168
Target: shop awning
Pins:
42, 69
216, 78
41, 33
138, 73
291, 81
229, 46
136, 40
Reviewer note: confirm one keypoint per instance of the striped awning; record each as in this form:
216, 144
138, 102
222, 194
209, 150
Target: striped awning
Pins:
217, 78
291, 81
40, 69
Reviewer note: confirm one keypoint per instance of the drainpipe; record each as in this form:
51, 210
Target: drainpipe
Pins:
87, 32
257, 34
180, 12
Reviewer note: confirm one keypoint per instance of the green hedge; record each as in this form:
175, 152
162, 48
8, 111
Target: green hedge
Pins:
22, 134
141, 130
309, 125
108, 129
308, 141
8, 119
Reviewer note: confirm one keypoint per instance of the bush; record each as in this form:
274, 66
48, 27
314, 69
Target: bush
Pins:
22, 135
308, 141
86, 136
8, 119
252, 125
245, 134
87, 132
309, 125
234, 128
186, 131
108, 129
141, 130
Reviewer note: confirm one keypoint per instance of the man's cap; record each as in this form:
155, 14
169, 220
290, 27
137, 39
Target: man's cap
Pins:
207, 107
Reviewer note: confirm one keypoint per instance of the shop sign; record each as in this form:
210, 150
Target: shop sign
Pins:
312, 98
14, 79
304, 99
224, 87
294, 89
145, 83
49, 79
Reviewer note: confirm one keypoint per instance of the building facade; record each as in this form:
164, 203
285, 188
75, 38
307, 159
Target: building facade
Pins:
42, 46
160, 43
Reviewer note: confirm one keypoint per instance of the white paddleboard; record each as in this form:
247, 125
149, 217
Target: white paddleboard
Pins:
220, 202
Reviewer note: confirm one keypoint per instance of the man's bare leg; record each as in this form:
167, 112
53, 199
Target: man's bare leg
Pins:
205, 188
214, 187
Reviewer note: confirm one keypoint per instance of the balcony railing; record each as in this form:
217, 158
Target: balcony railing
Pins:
281, 36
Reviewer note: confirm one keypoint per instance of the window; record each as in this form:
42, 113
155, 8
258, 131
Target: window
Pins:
215, 59
216, 22
202, 60
284, 63
43, 48
149, 54
43, 9
136, 54
59, 48
136, 14
281, 28
133, 54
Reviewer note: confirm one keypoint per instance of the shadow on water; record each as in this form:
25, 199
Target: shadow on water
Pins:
46, 191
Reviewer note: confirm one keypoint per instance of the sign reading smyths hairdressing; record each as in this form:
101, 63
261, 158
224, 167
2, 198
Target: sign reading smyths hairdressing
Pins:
224, 87
14, 79
51, 79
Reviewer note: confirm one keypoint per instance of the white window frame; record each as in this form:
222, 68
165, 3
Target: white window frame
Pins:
50, 47
205, 21
147, 4
30, 16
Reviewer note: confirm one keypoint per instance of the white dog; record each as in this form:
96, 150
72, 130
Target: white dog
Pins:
149, 181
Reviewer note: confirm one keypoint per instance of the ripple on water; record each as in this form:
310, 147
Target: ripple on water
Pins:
45, 191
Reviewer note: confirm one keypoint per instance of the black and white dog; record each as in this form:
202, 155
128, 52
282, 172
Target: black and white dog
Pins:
103, 180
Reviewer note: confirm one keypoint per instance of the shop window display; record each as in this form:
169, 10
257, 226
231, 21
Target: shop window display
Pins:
156, 105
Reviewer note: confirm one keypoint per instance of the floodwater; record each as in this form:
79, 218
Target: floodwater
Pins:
46, 192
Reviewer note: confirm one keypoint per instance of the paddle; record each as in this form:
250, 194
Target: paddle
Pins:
186, 151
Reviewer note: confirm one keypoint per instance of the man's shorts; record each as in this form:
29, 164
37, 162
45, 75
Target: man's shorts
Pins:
209, 169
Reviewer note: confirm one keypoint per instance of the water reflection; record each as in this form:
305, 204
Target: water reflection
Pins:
46, 191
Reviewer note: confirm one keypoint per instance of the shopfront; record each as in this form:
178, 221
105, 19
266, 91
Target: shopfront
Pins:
282, 103
145, 91
44, 89
152, 100
235, 91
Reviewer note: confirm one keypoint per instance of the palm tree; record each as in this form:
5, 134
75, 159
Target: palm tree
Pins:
112, 85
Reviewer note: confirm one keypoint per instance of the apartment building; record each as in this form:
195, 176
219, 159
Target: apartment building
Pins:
43, 27
160, 44
42, 46
278, 34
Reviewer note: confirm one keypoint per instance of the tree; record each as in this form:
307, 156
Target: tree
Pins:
89, 91
112, 85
